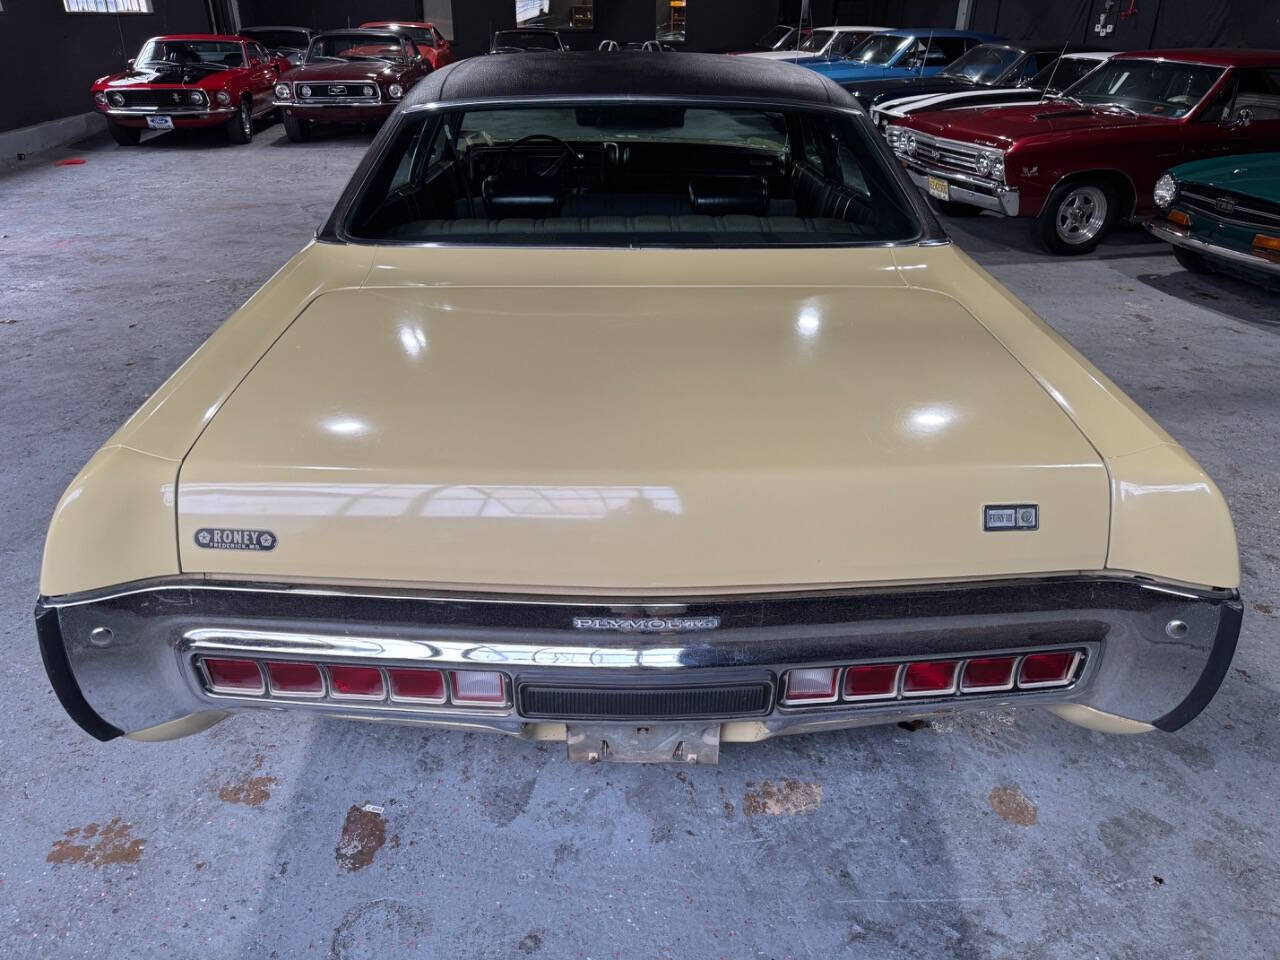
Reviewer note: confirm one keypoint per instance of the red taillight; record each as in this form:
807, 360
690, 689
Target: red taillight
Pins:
422, 686
357, 683
926, 677
295, 679
233, 676
1047, 669
987, 673
811, 686
872, 680
478, 686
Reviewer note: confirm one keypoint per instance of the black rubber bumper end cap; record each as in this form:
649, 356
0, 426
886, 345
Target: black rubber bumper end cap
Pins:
54, 655
1215, 671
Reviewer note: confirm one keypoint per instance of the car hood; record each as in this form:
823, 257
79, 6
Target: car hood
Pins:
347, 71
792, 56
131, 79
1002, 125
1254, 175
638, 438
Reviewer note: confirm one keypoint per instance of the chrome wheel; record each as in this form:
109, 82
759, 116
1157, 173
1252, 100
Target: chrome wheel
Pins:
1081, 214
246, 120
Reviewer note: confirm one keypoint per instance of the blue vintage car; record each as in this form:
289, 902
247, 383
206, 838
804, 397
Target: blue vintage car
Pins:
900, 53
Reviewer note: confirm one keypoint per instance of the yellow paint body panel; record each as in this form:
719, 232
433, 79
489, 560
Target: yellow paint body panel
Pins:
639, 420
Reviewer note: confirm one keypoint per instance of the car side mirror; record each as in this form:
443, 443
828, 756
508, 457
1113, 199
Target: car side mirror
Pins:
128, 64
1244, 118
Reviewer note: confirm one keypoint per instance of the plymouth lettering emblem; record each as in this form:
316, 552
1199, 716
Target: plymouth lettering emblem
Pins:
646, 624
338, 91
1223, 205
234, 538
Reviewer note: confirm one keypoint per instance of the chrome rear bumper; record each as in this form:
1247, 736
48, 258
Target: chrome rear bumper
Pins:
125, 661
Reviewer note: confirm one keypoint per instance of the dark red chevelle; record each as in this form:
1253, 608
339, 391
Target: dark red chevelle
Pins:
349, 76
190, 80
1079, 162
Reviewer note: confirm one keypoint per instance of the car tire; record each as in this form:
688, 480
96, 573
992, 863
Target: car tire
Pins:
125, 136
954, 208
298, 131
1076, 217
1191, 261
240, 126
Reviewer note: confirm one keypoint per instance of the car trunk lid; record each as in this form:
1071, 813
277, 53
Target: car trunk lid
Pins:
654, 439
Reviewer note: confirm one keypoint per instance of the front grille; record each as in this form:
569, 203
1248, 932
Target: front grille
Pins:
306, 92
644, 703
1233, 208
158, 98
947, 153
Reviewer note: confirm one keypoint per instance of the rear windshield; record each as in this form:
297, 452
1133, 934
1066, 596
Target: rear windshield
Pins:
631, 175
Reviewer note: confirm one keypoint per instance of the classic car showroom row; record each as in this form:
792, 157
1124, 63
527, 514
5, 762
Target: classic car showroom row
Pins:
640, 478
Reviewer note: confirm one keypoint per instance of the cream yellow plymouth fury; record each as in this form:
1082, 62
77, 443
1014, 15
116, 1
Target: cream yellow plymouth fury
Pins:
635, 401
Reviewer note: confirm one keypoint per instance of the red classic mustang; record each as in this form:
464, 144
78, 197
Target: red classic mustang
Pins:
349, 76
190, 80
431, 43
1081, 161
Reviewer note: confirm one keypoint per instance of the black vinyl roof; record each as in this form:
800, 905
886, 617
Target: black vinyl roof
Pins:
520, 76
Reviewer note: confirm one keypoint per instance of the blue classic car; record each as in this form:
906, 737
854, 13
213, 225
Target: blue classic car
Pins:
900, 53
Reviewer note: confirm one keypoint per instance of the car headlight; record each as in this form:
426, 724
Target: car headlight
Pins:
1166, 191
195, 97
893, 136
396, 91
997, 166
982, 166
306, 91
909, 144
117, 99
99, 97
282, 91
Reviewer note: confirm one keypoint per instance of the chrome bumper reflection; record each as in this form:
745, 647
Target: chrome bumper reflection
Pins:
966, 189
130, 653
1163, 230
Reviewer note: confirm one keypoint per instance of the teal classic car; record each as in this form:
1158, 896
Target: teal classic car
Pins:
1223, 214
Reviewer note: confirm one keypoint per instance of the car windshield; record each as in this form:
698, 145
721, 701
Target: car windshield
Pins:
878, 49
526, 40
422, 36
1152, 87
983, 64
279, 39
357, 46
817, 41
610, 174
774, 37
1063, 72
210, 54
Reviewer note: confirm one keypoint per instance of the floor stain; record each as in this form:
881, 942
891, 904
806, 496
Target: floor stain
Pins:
531, 942
98, 845
1013, 806
790, 796
1263, 608
382, 928
363, 834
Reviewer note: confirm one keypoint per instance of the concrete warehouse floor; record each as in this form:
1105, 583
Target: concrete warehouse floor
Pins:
1005, 835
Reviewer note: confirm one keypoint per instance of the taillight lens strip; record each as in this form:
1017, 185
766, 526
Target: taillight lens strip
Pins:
990, 675
286, 680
